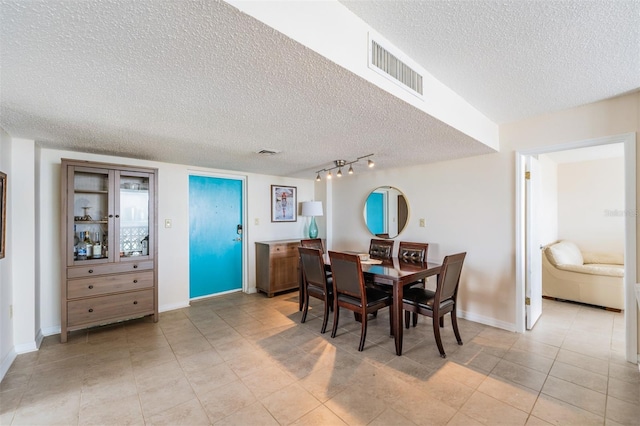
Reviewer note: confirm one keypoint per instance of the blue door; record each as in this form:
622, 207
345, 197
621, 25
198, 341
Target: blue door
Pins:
215, 235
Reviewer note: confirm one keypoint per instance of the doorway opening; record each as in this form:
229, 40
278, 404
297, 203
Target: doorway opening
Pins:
523, 277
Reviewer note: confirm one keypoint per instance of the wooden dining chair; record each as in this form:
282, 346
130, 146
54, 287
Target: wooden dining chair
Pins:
381, 249
413, 252
437, 304
316, 282
351, 293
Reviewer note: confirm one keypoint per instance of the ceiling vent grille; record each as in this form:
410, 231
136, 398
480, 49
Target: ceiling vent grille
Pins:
389, 65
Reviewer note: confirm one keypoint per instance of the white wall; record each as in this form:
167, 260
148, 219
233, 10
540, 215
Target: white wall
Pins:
589, 195
469, 203
7, 353
173, 258
549, 199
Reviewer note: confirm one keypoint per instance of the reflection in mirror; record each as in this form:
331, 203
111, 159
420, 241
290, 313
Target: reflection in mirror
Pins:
386, 212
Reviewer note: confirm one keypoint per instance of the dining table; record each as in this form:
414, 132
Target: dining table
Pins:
395, 273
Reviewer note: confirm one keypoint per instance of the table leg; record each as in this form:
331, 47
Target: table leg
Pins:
300, 288
397, 314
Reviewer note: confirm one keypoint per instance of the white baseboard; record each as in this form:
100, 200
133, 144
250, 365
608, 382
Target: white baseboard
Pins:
26, 348
6, 363
50, 331
173, 306
492, 322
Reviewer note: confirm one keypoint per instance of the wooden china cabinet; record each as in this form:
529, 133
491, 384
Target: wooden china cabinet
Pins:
108, 244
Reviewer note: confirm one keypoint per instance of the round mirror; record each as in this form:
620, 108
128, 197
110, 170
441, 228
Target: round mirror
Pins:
386, 212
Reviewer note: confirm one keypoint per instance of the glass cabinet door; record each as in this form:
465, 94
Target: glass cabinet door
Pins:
90, 206
133, 207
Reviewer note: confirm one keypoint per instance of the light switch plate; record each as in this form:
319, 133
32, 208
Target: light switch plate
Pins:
421, 223
167, 223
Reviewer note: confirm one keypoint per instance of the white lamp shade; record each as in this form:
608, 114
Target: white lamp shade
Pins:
311, 208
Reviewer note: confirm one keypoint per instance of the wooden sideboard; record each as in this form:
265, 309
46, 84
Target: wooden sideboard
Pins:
277, 266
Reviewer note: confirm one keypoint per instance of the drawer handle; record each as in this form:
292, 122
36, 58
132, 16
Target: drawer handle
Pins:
117, 216
135, 266
91, 271
90, 309
110, 215
91, 287
135, 302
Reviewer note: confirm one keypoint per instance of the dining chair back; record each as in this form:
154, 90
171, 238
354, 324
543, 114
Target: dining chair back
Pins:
381, 249
312, 243
351, 293
316, 282
412, 252
439, 303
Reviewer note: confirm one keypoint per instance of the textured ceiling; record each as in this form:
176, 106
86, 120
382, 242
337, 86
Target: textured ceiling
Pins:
513, 59
200, 83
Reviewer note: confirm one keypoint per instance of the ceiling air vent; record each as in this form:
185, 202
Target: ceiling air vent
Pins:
386, 61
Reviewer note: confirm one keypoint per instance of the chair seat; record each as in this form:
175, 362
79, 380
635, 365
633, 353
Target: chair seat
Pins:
375, 297
424, 298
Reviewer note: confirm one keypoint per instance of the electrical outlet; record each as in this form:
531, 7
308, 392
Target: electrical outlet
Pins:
167, 223
421, 223
256, 221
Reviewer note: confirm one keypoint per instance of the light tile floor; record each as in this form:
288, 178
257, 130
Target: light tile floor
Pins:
246, 360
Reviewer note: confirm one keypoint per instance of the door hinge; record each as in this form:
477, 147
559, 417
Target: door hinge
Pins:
527, 301
527, 175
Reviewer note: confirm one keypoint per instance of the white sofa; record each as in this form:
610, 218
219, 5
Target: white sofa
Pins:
593, 278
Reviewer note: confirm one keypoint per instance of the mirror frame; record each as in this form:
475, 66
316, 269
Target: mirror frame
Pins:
401, 211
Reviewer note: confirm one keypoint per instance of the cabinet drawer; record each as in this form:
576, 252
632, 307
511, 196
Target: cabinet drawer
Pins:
111, 268
96, 309
286, 250
94, 286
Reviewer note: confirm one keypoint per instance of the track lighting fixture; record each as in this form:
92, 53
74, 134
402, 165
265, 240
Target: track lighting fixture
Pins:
339, 164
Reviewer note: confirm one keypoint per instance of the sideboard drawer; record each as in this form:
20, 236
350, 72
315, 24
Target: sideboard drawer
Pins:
111, 268
97, 309
290, 249
94, 286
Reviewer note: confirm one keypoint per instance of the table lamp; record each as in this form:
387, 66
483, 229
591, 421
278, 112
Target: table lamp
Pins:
313, 209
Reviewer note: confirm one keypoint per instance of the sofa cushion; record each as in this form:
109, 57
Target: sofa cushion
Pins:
564, 253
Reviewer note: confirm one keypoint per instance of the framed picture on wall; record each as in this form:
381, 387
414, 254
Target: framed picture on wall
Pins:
284, 203
3, 213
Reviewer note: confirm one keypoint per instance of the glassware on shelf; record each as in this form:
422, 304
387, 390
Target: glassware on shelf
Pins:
84, 246
96, 248
86, 213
